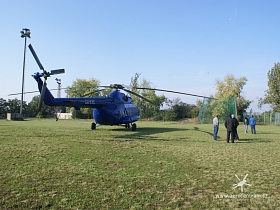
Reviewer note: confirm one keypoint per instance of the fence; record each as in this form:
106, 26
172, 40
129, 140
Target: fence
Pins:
210, 107
223, 107
265, 118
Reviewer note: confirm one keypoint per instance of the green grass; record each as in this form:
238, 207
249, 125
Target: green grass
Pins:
163, 165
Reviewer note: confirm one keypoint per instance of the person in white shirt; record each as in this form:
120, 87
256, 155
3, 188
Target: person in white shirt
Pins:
216, 126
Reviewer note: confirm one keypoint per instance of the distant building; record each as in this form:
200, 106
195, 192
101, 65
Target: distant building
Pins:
65, 116
14, 116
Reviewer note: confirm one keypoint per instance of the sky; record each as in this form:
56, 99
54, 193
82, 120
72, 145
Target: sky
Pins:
180, 45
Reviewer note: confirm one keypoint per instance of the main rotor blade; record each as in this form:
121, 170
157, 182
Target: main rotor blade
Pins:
171, 91
138, 96
87, 94
13, 94
36, 57
34, 91
57, 71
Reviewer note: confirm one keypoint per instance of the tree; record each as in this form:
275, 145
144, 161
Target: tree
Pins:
32, 108
148, 110
3, 107
13, 105
272, 95
232, 87
178, 110
81, 88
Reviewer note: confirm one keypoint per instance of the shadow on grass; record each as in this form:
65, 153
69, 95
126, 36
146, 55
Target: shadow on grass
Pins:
197, 129
250, 140
147, 134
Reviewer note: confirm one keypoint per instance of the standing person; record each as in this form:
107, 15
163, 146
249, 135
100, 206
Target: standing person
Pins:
229, 124
246, 123
236, 123
216, 126
252, 123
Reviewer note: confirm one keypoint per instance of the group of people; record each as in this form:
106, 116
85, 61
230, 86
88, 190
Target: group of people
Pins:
231, 124
251, 122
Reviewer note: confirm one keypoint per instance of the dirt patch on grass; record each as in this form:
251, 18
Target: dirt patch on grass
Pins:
189, 120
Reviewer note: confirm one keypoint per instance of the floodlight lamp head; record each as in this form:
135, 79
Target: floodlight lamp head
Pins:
25, 33
58, 80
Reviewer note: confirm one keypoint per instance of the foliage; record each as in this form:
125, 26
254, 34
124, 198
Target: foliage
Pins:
3, 107
13, 105
148, 110
32, 107
175, 110
272, 95
178, 110
223, 107
82, 88
232, 87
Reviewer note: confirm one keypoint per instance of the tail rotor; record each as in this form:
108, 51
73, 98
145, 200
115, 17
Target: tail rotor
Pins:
45, 74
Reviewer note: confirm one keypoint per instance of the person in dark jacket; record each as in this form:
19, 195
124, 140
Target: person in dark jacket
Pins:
230, 125
236, 123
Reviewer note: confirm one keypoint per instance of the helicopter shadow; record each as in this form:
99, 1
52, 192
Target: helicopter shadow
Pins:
147, 133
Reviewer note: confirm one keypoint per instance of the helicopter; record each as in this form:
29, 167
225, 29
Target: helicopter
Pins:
116, 108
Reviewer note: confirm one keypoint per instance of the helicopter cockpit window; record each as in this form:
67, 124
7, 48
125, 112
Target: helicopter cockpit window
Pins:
125, 98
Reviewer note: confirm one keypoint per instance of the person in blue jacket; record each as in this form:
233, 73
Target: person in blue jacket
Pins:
252, 123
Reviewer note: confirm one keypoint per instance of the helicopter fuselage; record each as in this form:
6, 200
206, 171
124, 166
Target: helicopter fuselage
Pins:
114, 109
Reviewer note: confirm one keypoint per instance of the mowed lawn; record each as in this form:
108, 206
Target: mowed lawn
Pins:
162, 165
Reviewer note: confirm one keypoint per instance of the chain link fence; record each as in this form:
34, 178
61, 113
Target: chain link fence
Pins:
223, 107
265, 118
211, 107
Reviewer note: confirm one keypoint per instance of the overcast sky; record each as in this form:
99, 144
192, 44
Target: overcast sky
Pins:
181, 45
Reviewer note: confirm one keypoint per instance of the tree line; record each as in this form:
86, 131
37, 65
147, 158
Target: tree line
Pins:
162, 108
176, 110
29, 109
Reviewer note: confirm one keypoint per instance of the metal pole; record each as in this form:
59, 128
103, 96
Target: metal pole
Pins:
24, 34
23, 70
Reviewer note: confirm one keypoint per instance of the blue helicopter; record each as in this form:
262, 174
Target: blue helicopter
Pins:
116, 108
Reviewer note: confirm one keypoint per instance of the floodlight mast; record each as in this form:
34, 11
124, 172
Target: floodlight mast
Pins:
24, 34
58, 87
58, 110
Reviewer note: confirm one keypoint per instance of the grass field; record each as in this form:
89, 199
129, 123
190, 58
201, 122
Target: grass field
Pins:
163, 165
